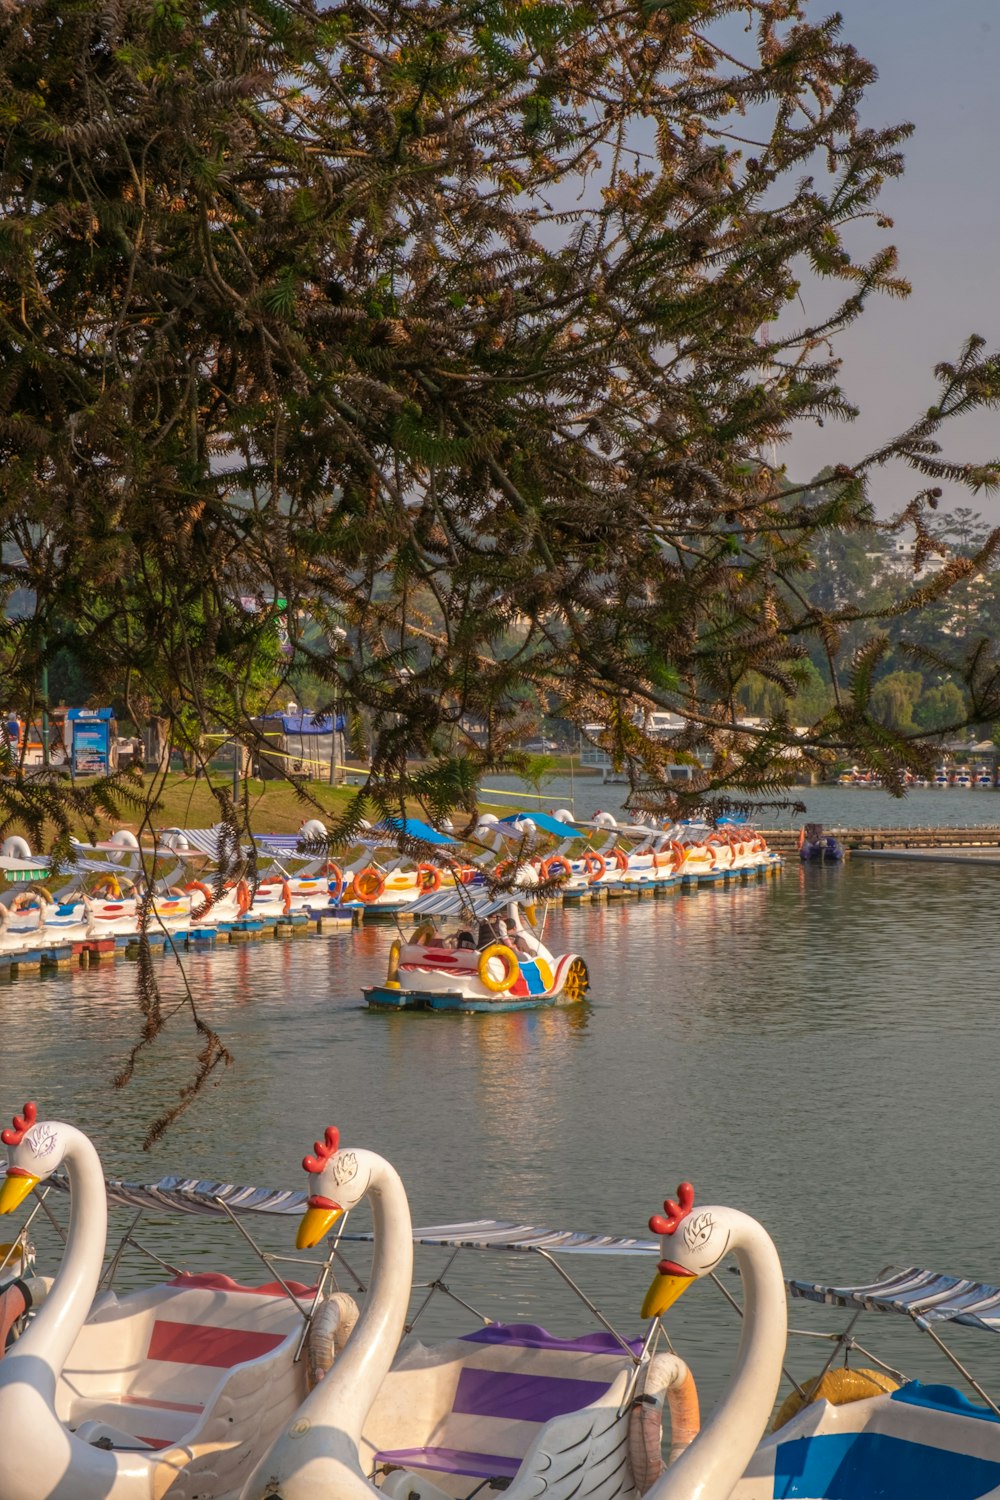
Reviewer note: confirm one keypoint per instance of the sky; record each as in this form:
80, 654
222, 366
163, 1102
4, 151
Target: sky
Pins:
939, 67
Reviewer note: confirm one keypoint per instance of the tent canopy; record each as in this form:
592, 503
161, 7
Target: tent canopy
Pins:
546, 822
413, 828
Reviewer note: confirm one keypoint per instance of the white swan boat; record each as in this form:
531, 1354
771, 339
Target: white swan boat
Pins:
173, 1391
509, 1407
436, 1420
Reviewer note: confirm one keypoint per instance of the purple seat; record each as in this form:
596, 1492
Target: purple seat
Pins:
509, 1397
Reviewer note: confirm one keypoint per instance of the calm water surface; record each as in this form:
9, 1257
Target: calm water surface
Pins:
836, 806
821, 1050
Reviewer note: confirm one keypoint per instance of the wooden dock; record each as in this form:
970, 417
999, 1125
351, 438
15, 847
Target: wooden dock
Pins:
859, 840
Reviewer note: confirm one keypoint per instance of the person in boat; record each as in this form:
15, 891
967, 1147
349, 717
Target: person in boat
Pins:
487, 934
516, 939
465, 940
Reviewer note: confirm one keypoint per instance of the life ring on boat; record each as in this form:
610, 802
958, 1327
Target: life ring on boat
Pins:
668, 1377
369, 884
802, 836
108, 887
501, 871
554, 864
620, 859
392, 972
719, 841
680, 853
329, 1329
839, 1387
244, 900
286, 897
512, 969
204, 890
594, 864
428, 879
24, 900
335, 881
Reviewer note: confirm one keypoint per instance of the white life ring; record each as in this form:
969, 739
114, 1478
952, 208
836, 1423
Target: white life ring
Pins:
331, 1327
668, 1376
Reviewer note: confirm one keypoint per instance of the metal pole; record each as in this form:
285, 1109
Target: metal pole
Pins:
45, 707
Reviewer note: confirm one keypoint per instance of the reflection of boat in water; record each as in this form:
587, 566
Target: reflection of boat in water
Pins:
475, 952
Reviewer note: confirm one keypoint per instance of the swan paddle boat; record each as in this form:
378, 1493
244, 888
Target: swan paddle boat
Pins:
508, 1407
494, 960
850, 1434
172, 1391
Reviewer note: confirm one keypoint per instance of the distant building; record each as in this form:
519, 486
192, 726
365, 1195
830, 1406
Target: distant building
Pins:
898, 558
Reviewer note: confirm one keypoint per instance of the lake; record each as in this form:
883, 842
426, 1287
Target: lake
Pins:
834, 806
821, 1050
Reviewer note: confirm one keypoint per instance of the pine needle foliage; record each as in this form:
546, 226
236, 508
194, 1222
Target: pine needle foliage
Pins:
468, 329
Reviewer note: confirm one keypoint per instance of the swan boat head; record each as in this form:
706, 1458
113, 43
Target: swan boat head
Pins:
35, 1149
692, 1243
341, 1180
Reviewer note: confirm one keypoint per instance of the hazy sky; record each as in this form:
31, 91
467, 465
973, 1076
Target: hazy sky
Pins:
939, 67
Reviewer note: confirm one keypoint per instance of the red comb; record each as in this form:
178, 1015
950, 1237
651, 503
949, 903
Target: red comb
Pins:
324, 1149
22, 1124
675, 1212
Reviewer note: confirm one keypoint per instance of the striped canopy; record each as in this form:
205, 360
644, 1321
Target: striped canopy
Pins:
191, 1195
925, 1296
465, 902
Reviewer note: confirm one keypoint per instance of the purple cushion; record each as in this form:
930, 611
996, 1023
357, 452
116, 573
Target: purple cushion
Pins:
452, 1461
530, 1336
522, 1397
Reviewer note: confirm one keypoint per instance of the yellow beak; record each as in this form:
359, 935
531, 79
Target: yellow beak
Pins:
663, 1293
15, 1189
315, 1226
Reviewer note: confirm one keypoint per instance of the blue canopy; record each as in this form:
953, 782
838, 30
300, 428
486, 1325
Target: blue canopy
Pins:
546, 822
412, 828
304, 723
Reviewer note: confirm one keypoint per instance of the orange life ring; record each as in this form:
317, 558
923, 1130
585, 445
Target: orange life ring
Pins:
594, 864
620, 859
369, 884
554, 863
716, 841
680, 853
335, 877
428, 879
286, 897
244, 900
500, 871
206, 891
